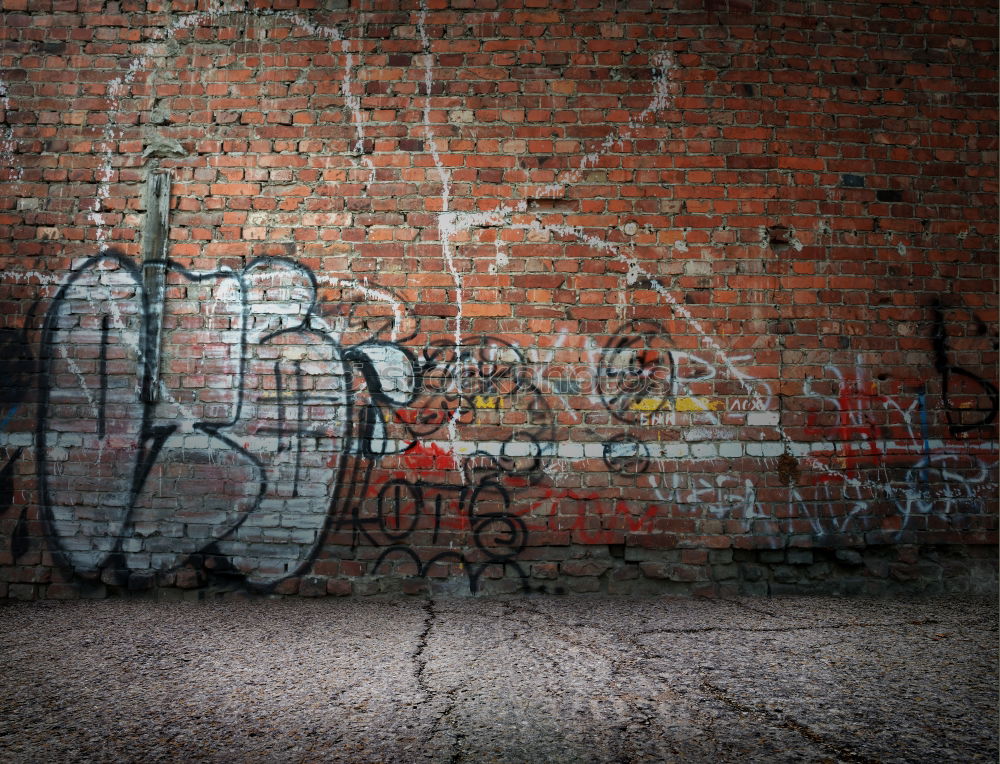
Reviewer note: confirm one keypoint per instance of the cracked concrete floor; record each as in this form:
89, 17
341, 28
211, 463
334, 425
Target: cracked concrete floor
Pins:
519, 680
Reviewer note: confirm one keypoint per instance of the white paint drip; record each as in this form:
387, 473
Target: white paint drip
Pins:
110, 134
352, 100
463, 221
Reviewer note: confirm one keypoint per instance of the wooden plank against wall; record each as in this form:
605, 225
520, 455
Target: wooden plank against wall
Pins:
154, 276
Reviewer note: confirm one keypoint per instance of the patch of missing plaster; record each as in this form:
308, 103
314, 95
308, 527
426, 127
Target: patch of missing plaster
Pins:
159, 114
780, 238
500, 262
8, 143
777, 238
162, 146
788, 469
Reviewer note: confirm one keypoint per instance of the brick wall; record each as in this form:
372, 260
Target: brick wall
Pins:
690, 296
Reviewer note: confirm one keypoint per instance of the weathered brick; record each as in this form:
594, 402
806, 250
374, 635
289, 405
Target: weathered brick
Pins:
583, 584
313, 586
657, 570
338, 587
545, 570
62, 592
584, 567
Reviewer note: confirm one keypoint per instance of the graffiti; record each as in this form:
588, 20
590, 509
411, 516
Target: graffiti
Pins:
880, 448
486, 382
255, 467
945, 484
235, 465
970, 402
624, 454
724, 496
637, 371
454, 513
643, 381
884, 463
240, 417
283, 418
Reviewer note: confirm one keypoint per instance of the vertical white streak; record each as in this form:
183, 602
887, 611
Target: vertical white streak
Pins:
445, 230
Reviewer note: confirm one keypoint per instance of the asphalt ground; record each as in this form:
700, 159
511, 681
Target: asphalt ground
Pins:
531, 679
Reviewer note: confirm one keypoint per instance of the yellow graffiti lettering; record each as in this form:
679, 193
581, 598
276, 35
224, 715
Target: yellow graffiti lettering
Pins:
648, 404
697, 404
491, 402
679, 404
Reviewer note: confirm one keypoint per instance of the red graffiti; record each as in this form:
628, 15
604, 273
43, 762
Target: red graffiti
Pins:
612, 518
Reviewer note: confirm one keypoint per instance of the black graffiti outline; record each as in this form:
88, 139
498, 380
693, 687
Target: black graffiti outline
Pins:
152, 437
948, 371
635, 463
449, 386
623, 344
479, 523
362, 325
